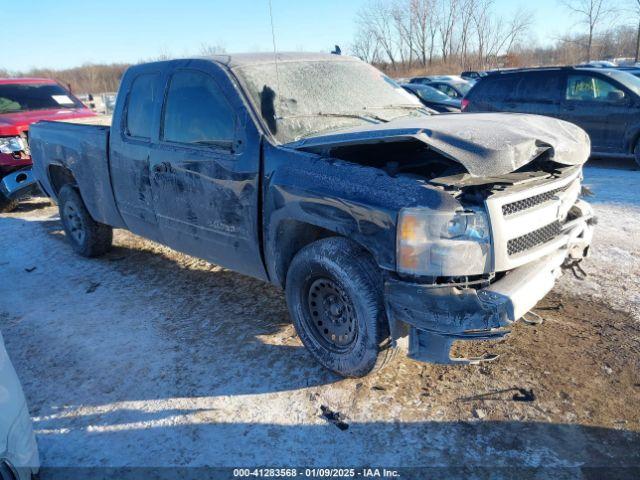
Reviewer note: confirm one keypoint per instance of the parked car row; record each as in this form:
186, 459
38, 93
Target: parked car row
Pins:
604, 102
433, 98
24, 101
600, 97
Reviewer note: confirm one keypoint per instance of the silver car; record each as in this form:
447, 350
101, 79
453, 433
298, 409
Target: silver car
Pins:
18, 450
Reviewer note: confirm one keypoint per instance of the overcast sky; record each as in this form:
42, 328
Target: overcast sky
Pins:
65, 33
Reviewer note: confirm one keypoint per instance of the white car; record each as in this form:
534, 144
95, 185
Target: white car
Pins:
18, 449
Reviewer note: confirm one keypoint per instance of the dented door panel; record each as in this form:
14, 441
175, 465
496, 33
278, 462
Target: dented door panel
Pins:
206, 198
206, 205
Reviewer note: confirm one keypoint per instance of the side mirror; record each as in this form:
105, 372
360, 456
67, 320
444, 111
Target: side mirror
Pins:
616, 96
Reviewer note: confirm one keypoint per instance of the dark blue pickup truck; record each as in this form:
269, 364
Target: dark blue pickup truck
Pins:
317, 173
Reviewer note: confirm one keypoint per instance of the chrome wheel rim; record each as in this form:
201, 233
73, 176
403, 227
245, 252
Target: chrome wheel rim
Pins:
74, 223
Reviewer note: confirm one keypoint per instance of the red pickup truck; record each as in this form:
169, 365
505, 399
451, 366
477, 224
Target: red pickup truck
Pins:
24, 101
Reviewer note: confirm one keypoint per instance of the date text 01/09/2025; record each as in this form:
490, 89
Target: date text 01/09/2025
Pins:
316, 473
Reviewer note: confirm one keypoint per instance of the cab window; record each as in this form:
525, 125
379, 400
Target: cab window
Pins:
196, 112
142, 97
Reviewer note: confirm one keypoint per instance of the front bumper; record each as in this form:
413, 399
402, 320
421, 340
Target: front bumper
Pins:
19, 184
434, 316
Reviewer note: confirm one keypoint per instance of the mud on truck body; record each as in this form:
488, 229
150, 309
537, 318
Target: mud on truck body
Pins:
381, 221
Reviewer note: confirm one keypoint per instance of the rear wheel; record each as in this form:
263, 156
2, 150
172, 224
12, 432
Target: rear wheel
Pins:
334, 294
88, 237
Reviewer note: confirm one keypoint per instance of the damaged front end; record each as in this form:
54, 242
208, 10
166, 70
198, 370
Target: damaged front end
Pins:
538, 225
467, 272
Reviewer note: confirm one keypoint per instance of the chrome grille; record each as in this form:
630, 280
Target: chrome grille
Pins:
533, 239
527, 203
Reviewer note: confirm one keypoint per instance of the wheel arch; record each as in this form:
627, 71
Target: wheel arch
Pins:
292, 235
59, 176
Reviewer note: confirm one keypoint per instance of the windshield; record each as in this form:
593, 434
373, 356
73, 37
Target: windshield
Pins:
22, 97
303, 98
430, 94
627, 79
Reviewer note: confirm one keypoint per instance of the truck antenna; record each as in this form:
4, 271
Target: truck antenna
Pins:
275, 51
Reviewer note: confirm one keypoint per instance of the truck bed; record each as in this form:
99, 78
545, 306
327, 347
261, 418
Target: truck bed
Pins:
81, 147
103, 120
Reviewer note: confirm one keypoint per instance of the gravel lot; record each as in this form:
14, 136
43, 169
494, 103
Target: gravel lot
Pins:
148, 357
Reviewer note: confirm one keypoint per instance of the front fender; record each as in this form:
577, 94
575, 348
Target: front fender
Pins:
631, 136
358, 202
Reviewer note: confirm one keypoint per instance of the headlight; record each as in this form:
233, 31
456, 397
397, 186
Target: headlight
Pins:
443, 243
11, 145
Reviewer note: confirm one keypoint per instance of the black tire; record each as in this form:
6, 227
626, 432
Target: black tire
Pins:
348, 286
87, 237
7, 205
6, 472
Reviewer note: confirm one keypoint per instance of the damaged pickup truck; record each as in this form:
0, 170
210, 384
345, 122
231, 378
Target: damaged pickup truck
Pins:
381, 221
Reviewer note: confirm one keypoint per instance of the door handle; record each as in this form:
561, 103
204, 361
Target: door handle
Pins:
162, 167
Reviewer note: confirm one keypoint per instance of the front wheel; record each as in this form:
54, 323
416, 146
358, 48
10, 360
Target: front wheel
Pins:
88, 237
334, 294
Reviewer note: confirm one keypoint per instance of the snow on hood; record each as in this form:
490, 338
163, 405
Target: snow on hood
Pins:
486, 144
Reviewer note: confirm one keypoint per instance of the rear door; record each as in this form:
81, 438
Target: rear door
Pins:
129, 149
538, 93
205, 170
600, 106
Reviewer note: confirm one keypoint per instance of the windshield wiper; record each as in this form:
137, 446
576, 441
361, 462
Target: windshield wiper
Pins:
400, 106
362, 116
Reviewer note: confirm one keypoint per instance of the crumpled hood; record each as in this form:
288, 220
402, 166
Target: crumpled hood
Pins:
486, 144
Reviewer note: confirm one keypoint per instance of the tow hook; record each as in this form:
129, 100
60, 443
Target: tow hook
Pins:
576, 269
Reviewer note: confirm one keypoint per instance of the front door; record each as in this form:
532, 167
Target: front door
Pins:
600, 107
204, 174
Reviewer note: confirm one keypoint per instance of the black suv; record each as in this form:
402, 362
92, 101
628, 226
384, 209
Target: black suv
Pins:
604, 102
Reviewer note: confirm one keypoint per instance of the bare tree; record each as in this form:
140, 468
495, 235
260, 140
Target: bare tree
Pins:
635, 7
375, 19
403, 25
208, 49
366, 48
424, 28
447, 20
592, 14
466, 25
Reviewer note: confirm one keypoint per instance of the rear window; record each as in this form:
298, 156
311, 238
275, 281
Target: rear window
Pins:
142, 97
25, 97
